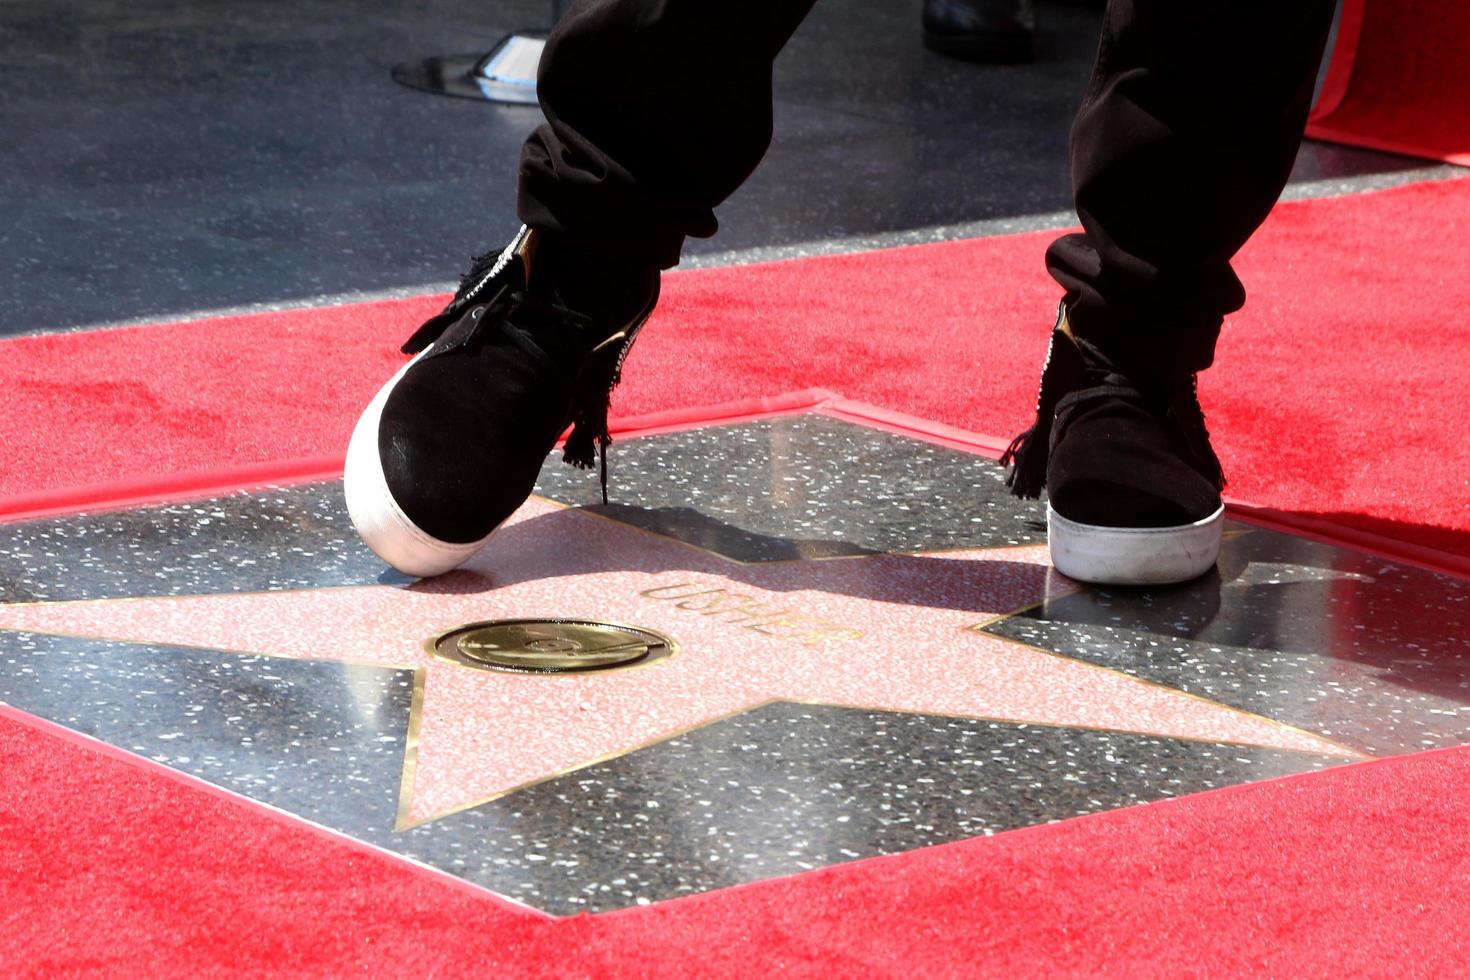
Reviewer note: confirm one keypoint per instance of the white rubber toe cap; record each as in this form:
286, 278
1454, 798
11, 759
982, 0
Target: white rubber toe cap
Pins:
379, 521
1134, 556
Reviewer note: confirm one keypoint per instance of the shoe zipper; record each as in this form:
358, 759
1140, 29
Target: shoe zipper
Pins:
508, 253
433, 328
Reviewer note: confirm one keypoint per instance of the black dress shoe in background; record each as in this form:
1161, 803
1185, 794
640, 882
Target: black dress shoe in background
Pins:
1001, 31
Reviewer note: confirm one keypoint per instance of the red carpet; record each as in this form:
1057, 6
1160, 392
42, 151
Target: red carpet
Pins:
1398, 79
1344, 871
1337, 400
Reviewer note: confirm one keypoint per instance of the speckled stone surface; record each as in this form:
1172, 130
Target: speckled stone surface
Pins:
815, 711
1359, 649
803, 487
776, 790
291, 538
321, 740
789, 787
889, 632
178, 184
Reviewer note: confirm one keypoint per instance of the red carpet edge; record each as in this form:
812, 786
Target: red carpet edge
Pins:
195, 486
1337, 397
1359, 869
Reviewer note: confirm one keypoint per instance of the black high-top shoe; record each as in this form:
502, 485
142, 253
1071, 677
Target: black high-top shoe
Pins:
532, 342
1132, 483
1002, 31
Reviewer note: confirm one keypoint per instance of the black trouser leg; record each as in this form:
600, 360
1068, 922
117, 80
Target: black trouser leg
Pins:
657, 110
1182, 145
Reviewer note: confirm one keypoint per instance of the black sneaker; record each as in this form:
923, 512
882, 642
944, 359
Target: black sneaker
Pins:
532, 342
1133, 486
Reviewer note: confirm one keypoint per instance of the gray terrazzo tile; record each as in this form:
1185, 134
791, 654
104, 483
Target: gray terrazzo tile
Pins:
293, 538
177, 183
788, 787
777, 790
1360, 649
319, 739
804, 486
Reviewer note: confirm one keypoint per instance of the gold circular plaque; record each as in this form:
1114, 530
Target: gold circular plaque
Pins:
551, 646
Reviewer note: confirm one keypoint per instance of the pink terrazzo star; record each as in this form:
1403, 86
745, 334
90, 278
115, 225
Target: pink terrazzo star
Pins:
887, 632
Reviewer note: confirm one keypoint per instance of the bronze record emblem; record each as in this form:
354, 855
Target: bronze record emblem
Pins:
551, 646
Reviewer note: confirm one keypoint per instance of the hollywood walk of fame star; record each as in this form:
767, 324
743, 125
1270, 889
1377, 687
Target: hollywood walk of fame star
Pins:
883, 632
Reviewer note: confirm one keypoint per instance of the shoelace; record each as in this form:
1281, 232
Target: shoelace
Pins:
589, 438
1092, 377
587, 443
508, 299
